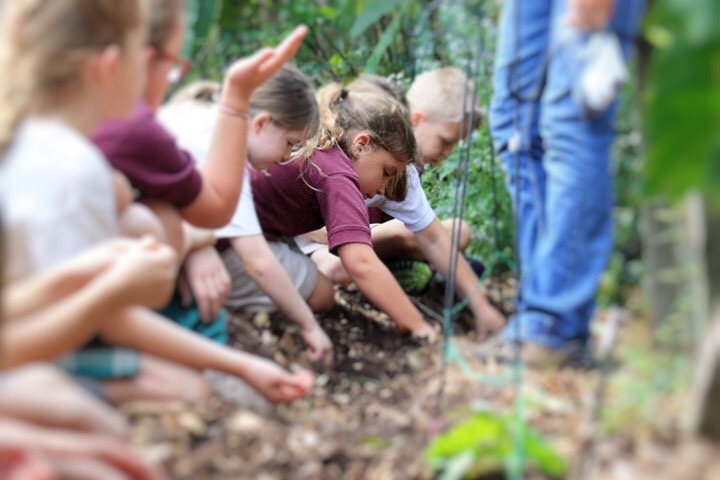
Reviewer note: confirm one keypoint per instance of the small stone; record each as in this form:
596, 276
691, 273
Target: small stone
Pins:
192, 422
245, 421
261, 320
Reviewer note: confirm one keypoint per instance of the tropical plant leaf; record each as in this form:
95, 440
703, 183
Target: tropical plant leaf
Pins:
385, 41
372, 11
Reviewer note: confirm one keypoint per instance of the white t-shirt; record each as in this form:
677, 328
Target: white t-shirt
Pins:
193, 126
57, 197
415, 211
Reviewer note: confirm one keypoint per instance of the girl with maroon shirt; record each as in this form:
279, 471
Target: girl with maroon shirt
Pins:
364, 145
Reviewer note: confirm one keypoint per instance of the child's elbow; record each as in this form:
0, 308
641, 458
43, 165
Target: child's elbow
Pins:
360, 263
258, 267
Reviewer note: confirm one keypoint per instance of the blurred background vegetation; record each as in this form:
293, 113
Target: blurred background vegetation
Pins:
401, 38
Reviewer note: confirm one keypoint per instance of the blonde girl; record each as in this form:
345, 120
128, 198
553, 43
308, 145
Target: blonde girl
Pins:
265, 276
362, 149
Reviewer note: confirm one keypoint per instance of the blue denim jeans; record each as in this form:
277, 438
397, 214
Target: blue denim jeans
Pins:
559, 162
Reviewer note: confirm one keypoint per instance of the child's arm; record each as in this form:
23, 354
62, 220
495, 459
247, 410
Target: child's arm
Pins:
269, 274
71, 454
41, 290
141, 275
224, 169
23, 396
150, 333
434, 242
379, 286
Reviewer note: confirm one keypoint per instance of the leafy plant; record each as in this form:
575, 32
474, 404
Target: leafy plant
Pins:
682, 118
485, 444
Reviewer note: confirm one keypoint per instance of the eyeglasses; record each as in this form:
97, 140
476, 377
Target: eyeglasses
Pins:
180, 67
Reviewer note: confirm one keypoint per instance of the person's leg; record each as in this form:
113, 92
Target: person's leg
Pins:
392, 240
158, 380
322, 298
465, 232
171, 222
330, 266
246, 294
159, 219
515, 109
573, 250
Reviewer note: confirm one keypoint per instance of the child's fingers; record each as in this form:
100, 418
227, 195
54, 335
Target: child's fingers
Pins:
295, 386
123, 458
260, 57
186, 296
206, 306
329, 359
285, 51
87, 469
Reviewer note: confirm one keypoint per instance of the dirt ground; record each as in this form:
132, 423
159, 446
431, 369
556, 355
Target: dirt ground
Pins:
374, 416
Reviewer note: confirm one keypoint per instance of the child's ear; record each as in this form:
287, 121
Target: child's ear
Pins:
417, 117
104, 66
361, 142
259, 122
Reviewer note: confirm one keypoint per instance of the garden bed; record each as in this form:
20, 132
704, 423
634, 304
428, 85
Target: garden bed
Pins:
372, 418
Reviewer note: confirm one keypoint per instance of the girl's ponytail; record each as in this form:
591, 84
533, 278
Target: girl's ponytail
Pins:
330, 133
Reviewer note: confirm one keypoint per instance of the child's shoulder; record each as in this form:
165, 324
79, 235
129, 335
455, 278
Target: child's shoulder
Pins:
48, 145
141, 131
332, 161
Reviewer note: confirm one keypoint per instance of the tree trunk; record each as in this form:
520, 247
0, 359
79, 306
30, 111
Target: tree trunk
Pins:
704, 412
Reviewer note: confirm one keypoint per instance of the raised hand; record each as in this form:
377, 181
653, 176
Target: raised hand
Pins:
246, 74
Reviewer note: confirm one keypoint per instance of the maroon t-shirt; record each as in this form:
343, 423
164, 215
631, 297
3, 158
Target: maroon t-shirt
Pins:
328, 196
150, 158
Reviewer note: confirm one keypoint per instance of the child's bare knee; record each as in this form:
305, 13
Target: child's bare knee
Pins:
323, 297
407, 241
138, 220
465, 232
170, 221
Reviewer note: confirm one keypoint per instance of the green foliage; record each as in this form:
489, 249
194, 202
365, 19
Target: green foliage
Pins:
487, 204
387, 37
485, 443
402, 38
683, 99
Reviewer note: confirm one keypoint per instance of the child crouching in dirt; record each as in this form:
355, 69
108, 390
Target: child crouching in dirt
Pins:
365, 143
265, 275
414, 232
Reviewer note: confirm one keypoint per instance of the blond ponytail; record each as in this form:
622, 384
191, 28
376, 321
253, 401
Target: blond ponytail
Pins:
346, 112
44, 45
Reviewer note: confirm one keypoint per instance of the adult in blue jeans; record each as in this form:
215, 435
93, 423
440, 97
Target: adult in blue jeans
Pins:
558, 158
